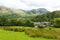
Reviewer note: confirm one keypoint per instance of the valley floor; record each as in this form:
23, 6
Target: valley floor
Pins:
10, 35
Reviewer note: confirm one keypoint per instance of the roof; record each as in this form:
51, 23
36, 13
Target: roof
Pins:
36, 22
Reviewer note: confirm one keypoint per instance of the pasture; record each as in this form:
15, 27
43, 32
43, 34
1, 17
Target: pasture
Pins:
12, 35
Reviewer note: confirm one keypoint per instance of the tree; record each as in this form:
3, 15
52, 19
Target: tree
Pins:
56, 22
13, 22
3, 20
29, 23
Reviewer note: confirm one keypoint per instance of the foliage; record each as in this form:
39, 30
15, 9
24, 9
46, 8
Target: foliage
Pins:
47, 17
5, 21
56, 22
16, 17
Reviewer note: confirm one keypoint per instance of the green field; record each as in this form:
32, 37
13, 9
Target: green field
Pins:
10, 35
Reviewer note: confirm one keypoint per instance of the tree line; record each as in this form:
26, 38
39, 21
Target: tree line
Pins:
18, 21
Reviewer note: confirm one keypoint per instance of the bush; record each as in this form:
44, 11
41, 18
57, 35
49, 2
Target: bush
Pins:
14, 29
41, 26
51, 34
33, 32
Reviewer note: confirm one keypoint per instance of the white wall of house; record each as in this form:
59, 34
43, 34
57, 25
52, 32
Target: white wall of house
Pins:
36, 24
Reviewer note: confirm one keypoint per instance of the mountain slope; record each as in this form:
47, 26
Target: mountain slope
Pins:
12, 12
18, 13
38, 11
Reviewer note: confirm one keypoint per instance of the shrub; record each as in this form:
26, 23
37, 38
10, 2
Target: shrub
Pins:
14, 29
32, 32
41, 26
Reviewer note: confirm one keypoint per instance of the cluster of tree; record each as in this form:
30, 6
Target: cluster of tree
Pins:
5, 21
56, 22
47, 17
52, 17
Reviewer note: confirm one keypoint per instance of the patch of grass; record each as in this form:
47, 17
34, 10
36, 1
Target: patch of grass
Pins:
49, 33
11, 35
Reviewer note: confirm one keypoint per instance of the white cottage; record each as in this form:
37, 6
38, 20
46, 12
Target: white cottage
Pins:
44, 24
36, 24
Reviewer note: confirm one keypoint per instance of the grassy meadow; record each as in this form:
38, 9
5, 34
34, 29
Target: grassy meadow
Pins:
12, 35
9, 35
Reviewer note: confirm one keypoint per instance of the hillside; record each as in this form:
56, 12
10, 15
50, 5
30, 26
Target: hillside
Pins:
18, 13
12, 12
38, 11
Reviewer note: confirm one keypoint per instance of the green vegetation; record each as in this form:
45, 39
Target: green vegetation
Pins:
16, 17
56, 22
47, 17
9, 35
10, 19
50, 33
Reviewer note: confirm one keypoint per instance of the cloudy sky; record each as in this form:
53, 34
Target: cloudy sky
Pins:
50, 5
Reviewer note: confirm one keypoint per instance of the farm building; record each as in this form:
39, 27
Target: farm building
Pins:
44, 24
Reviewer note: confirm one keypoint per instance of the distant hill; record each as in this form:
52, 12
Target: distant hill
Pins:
18, 13
38, 11
12, 12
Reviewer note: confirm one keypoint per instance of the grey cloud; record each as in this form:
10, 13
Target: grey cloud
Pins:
56, 6
34, 4
37, 5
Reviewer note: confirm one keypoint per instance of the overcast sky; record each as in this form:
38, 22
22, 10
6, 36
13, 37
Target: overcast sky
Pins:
50, 5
